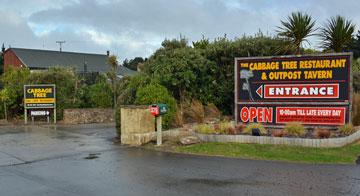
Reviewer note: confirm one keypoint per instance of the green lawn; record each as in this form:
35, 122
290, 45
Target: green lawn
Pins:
344, 155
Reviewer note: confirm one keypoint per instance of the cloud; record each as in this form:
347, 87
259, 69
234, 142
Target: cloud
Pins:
26, 7
125, 24
14, 29
164, 17
136, 28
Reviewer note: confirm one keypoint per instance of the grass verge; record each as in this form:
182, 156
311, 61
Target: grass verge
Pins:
344, 155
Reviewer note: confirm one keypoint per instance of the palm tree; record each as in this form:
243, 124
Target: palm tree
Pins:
296, 29
337, 34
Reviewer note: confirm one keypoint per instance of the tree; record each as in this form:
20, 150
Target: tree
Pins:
355, 47
13, 92
222, 52
5, 98
337, 34
296, 29
99, 95
202, 44
183, 71
156, 93
112, 74
133, 63
67, 86
206, 71
174, 43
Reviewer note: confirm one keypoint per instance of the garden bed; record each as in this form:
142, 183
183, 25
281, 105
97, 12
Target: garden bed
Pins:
292, 134
290, 130
305, 142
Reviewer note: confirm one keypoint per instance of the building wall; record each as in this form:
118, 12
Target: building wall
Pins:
10, 58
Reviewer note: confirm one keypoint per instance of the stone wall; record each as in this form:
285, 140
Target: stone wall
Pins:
88, 115
137, 124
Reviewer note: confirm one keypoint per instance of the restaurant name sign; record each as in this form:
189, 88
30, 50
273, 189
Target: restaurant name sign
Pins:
313, 90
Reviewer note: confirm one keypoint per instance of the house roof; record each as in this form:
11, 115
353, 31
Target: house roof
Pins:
44, 59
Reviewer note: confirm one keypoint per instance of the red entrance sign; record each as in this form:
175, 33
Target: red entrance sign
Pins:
311, 115
301, 91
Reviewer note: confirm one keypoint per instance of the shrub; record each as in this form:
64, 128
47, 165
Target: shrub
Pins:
193, 111
126, 94
13, 91
250, 127
295, 129
217, 127
211, 111
204, 129
321, 133
347, 129
225, 125
225, 128
178, 120
230, 131
156, 93
66, 83
239, 128
100, 95
356, 109
278, 133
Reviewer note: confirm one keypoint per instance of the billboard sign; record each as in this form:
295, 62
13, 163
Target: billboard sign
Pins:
305, 114
39, 96
40, 99
312, 89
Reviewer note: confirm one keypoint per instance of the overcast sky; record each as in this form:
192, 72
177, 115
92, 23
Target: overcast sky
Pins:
130, 28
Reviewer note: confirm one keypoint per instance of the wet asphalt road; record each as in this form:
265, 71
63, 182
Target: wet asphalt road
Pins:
43, 161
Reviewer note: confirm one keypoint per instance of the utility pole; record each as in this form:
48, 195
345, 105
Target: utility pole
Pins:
60, 44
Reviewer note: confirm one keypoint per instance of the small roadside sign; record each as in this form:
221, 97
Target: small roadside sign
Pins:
39, 113
39, 98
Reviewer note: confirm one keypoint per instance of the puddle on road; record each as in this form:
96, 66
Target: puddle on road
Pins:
215, 182
64, 136
15, 131
92, 156
210, 182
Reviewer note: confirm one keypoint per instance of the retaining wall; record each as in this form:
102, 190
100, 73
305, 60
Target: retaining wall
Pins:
316, 143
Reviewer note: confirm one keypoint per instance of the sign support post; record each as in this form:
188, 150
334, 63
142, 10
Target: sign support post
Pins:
25, 116
55, 115
55, 104
159, 131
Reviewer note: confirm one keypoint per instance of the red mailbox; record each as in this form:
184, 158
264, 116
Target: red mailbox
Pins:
154, 110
